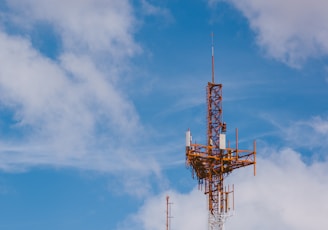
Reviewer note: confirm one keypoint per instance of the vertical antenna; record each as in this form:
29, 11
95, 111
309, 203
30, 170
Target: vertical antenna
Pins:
212, 57
168, 213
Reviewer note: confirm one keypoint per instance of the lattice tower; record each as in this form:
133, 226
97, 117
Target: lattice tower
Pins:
213, 162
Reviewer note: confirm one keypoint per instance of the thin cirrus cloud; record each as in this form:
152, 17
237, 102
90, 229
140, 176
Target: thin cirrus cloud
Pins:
69, 111
310, 134
290, 31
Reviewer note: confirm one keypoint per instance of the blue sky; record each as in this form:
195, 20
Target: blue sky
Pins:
96, 96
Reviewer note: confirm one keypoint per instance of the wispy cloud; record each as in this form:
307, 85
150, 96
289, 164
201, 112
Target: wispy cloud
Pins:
84, 26
311, 134
71, 111
150, 9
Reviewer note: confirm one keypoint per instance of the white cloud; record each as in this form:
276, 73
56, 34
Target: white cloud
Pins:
288, 30
64, 108
286, 194
320, 125
71, 111
150, 9
84, 25
326, 73
310, 134
188, 212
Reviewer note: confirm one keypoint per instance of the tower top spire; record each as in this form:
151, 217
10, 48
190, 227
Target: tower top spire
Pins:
213, 76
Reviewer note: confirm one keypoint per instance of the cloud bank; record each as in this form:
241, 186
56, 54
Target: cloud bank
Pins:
286, 194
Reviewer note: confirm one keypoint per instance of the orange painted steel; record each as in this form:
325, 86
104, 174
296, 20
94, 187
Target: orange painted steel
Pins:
212, 163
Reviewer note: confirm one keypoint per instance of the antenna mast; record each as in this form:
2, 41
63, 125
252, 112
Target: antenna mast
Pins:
168, 213
213, 162
212, 57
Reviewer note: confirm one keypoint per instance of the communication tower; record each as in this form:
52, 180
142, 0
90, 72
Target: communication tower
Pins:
213, 162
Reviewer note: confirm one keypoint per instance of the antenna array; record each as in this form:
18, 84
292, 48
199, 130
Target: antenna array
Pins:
212, 163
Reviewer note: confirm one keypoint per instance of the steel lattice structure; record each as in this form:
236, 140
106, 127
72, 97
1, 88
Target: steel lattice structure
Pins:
213, 162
